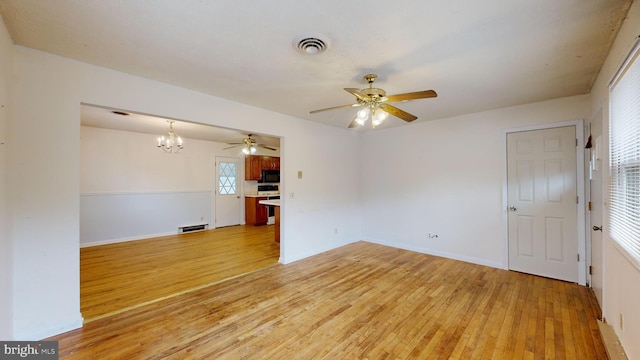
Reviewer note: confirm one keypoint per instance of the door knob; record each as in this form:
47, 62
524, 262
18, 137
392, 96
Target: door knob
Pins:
597, 228
512, 208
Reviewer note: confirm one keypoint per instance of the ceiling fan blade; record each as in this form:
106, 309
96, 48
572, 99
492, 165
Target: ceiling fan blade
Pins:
357, 93
335, 107
267, 147
231, 147
353, 124
412, 96
397, 112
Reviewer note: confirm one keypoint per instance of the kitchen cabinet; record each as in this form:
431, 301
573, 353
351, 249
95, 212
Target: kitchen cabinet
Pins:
252, 167
270, 163
255, 213
254, 164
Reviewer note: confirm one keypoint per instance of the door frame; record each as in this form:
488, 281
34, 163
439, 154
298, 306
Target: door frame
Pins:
580, 190
599, 112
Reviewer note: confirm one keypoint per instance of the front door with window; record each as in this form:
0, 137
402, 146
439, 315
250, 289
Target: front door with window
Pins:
543, 211
227, 192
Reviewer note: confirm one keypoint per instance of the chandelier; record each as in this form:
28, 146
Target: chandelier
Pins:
172, 142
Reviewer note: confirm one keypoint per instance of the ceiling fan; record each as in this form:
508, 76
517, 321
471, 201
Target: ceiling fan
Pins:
249, 145
375, 102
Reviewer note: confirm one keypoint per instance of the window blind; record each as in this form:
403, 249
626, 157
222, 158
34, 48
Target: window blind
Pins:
624, 150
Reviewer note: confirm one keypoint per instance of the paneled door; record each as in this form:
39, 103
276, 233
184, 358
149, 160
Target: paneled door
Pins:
542, 201
227, 198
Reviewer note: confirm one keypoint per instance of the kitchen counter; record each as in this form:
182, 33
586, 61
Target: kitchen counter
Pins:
254, 195
276, 204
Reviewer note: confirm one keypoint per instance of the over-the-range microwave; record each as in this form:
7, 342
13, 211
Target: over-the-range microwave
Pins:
270, 176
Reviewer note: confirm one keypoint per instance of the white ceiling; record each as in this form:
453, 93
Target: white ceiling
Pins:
478, 55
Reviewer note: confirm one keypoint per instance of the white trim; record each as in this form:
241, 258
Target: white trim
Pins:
580, 190
307, 254
133, 238
56, 330
625, 63
444, 254
587, 192
632, 261
163, 192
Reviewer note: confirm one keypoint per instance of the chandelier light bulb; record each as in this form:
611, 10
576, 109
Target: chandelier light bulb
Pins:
172, 143
360, 121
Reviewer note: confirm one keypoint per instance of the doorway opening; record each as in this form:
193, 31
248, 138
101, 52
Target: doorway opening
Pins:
134, 198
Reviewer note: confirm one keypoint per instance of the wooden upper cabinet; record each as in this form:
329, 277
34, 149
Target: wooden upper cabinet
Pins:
254, 164
275, 163
252, 167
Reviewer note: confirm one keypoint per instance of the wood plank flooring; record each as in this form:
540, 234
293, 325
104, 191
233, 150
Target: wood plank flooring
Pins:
361, 301
120, 276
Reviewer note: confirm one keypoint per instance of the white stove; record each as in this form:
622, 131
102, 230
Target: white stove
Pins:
271, 192
268, 190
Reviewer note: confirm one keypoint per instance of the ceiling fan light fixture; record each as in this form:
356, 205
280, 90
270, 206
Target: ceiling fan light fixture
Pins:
378, 117
363, 114
376, 103
249, 149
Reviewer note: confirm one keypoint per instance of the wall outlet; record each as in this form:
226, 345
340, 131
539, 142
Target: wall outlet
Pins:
201, 218
335, 231
299, 174
291, 195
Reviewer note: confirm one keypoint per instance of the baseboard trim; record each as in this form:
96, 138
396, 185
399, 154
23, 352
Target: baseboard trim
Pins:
612, 345
133, 238
447, 255
57, 330
289, 259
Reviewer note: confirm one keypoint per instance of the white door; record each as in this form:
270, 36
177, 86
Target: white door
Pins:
542, 201
596, 204
227, 199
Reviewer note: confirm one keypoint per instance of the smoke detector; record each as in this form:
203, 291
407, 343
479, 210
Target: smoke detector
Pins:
311, 44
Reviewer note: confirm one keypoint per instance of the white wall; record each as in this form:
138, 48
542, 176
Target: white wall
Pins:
445, 177
6, 58
129, 189
45, 175
621, 293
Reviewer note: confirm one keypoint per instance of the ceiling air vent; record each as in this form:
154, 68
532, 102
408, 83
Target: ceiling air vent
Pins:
311, 44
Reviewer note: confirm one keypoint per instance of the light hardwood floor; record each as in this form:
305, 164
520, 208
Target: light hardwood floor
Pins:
361, 301
120, 276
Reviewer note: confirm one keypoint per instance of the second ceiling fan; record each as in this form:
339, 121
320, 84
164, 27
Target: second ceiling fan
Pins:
249, 145
375, 103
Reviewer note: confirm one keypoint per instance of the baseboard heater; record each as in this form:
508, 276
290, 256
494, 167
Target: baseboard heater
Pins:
192, 228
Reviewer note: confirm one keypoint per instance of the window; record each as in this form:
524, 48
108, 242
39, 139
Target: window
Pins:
624, 146
227, 179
